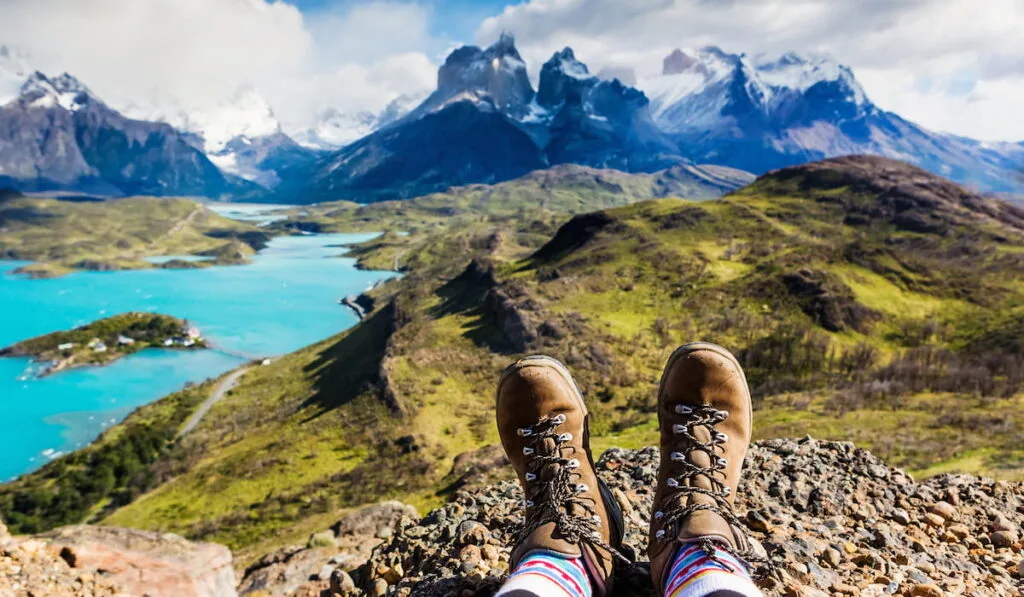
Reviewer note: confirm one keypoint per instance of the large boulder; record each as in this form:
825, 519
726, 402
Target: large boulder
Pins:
146, 563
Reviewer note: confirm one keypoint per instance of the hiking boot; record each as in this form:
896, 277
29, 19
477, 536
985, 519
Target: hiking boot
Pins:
704, 413
542, 420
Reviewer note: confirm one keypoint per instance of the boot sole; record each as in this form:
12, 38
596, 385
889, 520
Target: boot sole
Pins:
614, 510
693, 347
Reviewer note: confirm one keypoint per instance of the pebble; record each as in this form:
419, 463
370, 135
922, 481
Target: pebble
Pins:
944, 509
926, 591
934, 519
1003, 538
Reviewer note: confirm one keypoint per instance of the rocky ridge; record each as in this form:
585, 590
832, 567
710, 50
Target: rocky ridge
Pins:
833, 518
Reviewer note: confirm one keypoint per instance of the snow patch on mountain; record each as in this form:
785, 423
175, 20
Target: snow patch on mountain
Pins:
335, 128
64, 91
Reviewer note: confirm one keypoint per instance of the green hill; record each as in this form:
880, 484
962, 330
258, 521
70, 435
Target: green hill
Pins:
62, 236
868, 300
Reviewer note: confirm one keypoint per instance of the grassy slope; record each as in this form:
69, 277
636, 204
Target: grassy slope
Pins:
62, 235
381, 410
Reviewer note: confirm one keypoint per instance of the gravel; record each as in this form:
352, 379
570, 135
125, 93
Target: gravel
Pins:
833, 518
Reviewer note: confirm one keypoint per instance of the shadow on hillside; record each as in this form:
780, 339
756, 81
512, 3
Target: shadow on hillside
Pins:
465, 295
351, 366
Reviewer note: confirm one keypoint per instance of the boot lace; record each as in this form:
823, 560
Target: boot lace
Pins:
554, 488
674, 512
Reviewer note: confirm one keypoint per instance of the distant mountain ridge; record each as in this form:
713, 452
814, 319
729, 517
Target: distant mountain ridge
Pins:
485, 124
759, 114
57, 135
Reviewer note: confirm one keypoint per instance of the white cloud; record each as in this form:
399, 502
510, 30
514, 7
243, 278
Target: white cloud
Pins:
201, 51
955, 65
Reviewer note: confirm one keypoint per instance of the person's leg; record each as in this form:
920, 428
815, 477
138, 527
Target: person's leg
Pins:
697, 545
572, 524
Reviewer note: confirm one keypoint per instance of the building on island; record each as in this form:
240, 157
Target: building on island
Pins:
193, 333
125, 341
99, 347
65, 346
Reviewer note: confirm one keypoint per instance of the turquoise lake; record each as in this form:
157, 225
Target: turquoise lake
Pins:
286, 299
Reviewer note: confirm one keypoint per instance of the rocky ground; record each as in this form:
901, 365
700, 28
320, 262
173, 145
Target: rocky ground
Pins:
835, 520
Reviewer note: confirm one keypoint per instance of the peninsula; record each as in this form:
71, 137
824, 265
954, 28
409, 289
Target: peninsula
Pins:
106, 340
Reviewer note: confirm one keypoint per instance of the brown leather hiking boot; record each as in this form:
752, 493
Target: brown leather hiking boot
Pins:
705, 417
542, 420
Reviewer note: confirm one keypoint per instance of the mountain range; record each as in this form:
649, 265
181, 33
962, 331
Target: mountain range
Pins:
484, 123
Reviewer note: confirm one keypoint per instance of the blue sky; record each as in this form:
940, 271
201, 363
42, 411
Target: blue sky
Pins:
455, 20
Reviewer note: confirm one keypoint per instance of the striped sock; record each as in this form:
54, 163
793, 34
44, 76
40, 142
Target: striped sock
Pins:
547, 574
694, 574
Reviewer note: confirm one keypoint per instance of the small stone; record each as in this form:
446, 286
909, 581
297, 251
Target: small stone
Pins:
342, 583
900, 516
470, 553
832, 557
757, 521
472, 532
944, 509
489, 553
1002, 539
394, 574
845, 589
849, 547
385, 532
379, 588
926, 591
934, 519
999, 523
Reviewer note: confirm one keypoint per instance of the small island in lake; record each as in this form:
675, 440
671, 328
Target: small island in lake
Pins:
106, 340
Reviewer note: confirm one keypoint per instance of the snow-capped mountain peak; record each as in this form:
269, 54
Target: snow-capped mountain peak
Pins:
65, 91
800, 72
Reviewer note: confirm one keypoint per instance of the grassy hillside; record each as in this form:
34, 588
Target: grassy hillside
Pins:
868, 300
61, 236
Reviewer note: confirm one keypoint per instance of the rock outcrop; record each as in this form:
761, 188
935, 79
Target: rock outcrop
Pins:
84, 561
834, 519
147, 563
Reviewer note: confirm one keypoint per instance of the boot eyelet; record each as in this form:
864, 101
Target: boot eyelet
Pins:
721, 436
573, 464
524, 432
677, 457
682, 409
659, 515
672, 483
722, 461
660, 534
565, 437
531, 477
678, 429
527, 451
558, 420
582, 487
529, 503
722, 415
726, 491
